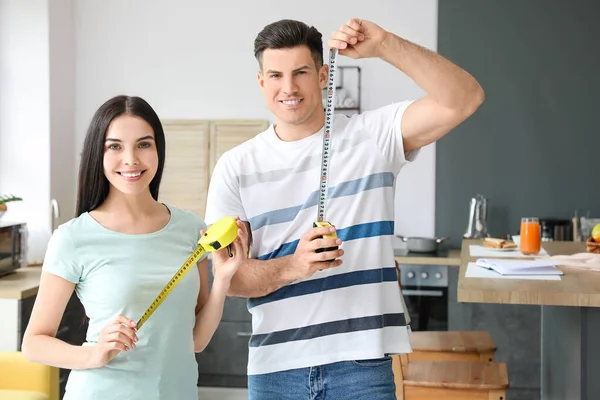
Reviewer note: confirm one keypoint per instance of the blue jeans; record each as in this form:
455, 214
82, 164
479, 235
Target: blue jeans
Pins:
346, 380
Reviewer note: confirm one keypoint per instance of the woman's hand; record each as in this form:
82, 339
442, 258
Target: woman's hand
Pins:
224, 266
117, 336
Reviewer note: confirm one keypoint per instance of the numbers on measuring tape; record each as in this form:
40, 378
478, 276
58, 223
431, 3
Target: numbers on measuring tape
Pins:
326, 152
190, 262
222, 233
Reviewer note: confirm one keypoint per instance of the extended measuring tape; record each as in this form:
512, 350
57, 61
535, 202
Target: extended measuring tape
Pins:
221, 234
326, 152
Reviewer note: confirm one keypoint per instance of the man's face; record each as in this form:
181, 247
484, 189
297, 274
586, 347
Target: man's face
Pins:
292, 84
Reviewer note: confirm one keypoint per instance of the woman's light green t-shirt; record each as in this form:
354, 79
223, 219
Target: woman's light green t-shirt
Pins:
117, 273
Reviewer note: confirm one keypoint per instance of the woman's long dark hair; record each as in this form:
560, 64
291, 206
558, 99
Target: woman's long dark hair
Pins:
93, 186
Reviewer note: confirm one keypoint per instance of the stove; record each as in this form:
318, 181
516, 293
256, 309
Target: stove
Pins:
419, 276
406, 253
425, 290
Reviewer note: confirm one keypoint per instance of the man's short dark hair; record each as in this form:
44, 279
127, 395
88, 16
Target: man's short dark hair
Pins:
287, 33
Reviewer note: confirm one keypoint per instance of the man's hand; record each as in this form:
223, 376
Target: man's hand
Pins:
306, 261
358, 39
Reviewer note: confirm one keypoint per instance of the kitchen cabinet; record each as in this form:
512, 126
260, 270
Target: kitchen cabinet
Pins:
72, 329
225, 359
223, 363
185, 176
193, 148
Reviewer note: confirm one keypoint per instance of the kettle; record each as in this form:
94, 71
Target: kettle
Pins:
477, 227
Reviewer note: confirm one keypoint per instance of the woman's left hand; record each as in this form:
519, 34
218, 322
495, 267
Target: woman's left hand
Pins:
225, 267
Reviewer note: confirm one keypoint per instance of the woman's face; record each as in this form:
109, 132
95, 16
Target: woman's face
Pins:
130, 156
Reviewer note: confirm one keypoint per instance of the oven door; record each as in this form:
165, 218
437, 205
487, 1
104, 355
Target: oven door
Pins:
427, 307
425, 290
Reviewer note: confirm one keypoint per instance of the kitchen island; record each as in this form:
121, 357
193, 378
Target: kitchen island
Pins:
570, 320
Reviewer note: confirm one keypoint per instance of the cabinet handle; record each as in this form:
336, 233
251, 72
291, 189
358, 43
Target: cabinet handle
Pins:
429, 293
55, 212
62, 331
244, 334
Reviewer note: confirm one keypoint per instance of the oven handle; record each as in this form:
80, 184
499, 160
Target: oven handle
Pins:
429, 293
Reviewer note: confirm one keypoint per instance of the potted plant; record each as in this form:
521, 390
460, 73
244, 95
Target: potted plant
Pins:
6, 199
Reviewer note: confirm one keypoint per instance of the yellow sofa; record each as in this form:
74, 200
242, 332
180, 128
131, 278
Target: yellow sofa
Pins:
21, 379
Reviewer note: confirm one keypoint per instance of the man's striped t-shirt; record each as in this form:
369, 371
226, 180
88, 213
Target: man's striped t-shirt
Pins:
346, 313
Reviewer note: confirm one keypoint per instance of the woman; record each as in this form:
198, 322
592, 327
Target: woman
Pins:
117, 254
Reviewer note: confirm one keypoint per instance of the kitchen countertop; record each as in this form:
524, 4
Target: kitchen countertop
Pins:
21, 284
577, 288
452, 258
25, 281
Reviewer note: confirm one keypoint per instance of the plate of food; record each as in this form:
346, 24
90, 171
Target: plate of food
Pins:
496, 244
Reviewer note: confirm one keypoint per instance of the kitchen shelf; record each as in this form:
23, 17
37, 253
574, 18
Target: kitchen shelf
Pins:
356, 95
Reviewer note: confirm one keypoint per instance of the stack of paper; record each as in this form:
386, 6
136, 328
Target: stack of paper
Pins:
480, 251
473, 271
520, 267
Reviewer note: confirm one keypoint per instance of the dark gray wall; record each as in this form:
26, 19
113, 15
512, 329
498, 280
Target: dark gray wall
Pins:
533, 147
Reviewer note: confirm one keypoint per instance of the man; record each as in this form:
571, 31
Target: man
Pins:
327, 321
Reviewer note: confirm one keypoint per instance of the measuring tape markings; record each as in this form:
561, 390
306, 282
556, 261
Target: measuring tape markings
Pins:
221, 234
326, 151
183, 270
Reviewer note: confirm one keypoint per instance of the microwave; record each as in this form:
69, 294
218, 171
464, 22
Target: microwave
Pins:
13, 246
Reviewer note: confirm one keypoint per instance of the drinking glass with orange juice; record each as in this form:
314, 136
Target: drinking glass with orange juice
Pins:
530, 242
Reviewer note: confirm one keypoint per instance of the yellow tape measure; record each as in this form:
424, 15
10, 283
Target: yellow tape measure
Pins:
221, 234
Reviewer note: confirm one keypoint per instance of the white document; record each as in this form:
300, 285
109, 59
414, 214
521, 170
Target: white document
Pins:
480, 251
520, 267
473, 271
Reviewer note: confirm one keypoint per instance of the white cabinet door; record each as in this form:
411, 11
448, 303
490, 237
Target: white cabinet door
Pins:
226, 134
185, 176
193, 148
9, 334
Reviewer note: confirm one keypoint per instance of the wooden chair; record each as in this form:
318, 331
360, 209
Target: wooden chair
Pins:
452, 346
450, 365
472, 380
